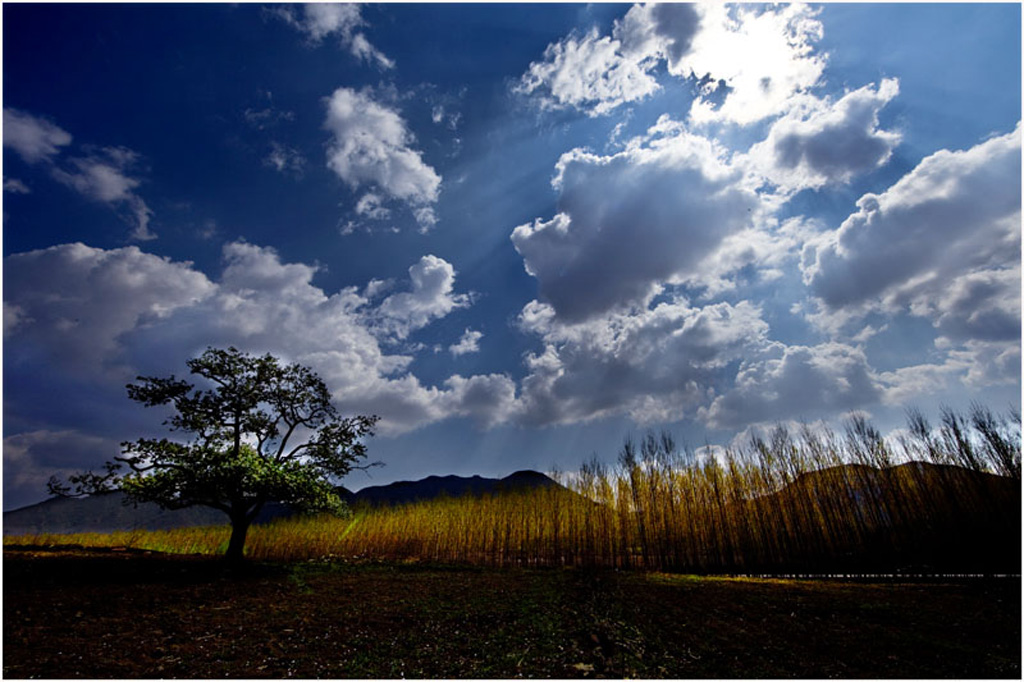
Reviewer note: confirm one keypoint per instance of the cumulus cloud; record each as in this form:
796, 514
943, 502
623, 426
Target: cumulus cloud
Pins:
747, 62
371, 147
597, 74
658, 31
371, 206
322, 20
654, 365
432, 297
629, 222
763, 252
819, 142
588, 73
265, 305
943, 243
469, 343
107, 315
788, 381
907, 385
34, 139
983, 305
974, 365
488, 399
73, 302
31, 458
988, 363
760, 56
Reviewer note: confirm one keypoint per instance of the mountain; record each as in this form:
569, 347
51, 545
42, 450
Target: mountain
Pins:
403, 492
111, 512
106, 513
865, 485
912, 514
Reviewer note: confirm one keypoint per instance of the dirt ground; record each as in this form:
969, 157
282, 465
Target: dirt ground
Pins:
76, 613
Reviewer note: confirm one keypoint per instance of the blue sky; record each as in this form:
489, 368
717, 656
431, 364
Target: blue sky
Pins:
518, 233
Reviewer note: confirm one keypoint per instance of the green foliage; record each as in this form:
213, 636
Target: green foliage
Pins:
236, 448
190, 476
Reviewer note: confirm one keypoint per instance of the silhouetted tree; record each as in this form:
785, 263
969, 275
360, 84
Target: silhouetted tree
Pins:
258, 431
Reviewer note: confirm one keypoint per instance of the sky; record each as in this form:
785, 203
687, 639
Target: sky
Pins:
517, 233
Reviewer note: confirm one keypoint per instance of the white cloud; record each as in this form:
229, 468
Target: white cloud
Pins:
432, 297
371, 147
35, 139
489, 399
656, 31
32, 457
761, 56
370, 205
588, 73
73, 302
322, 20
982, 305
629, 222
469, 343
802, 381
819, 142
103, 176
654, 365
261, 119
988, 363
972, 365
363, 50
285, 159
208, 230
749, 60
13, 317
907, 385
97, 314
15, 186
426, 217
765, 251
597, 74
441, 114
943, 243
265, 305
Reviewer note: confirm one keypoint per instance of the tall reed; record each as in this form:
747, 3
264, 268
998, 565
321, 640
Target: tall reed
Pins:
810, 500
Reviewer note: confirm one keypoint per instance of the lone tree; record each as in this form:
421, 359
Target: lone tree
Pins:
259, 431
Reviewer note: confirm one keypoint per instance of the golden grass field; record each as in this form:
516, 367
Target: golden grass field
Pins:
814, 501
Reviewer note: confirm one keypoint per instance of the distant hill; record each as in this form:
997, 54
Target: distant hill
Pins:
109, 512
942, 515
106, 513
403, 492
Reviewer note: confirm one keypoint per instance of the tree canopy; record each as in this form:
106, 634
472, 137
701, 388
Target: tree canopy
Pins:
256, 431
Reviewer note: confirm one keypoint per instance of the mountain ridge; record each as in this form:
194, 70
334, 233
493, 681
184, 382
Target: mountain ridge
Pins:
111, 512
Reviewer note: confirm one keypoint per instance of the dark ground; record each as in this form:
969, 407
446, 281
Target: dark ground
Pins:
106, 614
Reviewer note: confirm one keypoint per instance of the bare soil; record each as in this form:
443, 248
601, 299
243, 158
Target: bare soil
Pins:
78, 613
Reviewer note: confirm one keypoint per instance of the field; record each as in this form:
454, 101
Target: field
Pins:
75, 613
808, 502
641, 570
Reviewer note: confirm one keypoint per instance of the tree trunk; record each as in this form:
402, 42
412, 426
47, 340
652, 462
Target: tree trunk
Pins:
236, 546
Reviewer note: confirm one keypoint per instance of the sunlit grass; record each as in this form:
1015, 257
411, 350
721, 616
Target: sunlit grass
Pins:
814, 500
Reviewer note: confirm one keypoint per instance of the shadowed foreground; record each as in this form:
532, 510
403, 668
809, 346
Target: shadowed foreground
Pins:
93, 614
